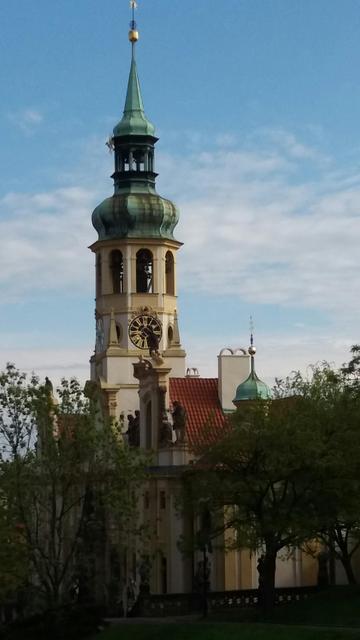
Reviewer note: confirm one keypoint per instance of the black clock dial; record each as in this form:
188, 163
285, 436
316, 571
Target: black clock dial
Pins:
144, 331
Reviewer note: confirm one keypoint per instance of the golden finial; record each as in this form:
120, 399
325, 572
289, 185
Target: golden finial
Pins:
133, 33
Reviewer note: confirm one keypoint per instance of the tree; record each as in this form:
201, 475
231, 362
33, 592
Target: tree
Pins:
279, 472
62, 463
338, 501
13, 553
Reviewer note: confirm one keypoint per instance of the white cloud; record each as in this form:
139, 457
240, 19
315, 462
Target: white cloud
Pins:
252, 228
255, 227
46, 235
277, 355
55, 363
28, 120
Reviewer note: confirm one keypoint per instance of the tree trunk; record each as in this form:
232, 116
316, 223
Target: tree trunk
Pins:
266, 568
346, 562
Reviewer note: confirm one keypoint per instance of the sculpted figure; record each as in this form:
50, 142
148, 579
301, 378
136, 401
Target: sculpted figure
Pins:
179, 421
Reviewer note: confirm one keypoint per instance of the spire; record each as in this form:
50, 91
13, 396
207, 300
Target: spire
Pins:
176, 335
133, 100
134, 120
252, 350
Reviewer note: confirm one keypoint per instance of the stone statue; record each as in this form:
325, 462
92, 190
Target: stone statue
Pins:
179, 421
165, 439
136, 429
152, 340
133, 432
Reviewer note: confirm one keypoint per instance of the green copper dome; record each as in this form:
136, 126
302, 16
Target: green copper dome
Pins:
135, 215
252, 388
134, 120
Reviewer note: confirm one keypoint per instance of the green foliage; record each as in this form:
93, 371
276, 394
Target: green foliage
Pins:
63, 469
287, 470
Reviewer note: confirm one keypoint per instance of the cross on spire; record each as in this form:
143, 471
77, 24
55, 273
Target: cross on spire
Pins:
133, 6
251, 331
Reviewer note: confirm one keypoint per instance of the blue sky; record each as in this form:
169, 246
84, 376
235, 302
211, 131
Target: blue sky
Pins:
256, 103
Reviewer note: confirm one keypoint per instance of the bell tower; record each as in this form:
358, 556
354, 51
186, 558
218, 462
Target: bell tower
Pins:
135, 259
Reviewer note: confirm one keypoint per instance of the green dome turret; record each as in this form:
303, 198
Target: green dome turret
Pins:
252, 388
135, 210
135, 215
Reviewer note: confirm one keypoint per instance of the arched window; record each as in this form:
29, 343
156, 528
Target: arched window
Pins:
98, 275
169, 274
139, 160
144, 271
117, 271
170, 335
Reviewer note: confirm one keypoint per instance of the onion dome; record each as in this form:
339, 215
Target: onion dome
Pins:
252, 388
135, 215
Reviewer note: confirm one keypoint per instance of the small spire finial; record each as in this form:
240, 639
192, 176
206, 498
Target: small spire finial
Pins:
133, 33
252, 349
251, 331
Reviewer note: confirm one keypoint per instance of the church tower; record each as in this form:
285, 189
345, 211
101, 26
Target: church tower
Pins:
135, 258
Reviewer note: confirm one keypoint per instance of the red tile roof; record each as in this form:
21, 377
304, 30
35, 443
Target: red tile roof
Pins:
199, 397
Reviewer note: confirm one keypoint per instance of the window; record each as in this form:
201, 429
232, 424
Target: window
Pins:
144, 271
169, 274
146, 500
139, 159
170, 335
117, 271
162, 500
98, 275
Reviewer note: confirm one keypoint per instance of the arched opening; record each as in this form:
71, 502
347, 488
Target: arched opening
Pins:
148, 427
117, 271
118, 332
169, 274
139, 160
144, 271
170, 335
98, 275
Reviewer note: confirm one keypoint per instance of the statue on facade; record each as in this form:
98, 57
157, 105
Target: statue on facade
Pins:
136, 429
133, 432
179, 421
165, 439
152, 341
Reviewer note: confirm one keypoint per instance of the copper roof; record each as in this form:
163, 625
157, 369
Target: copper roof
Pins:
199, 397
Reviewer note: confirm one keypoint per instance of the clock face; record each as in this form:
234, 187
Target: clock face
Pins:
145, 332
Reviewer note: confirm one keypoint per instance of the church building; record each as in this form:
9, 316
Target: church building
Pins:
139, 361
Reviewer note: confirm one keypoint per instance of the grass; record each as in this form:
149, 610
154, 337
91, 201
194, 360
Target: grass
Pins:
329, 615
223, 631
